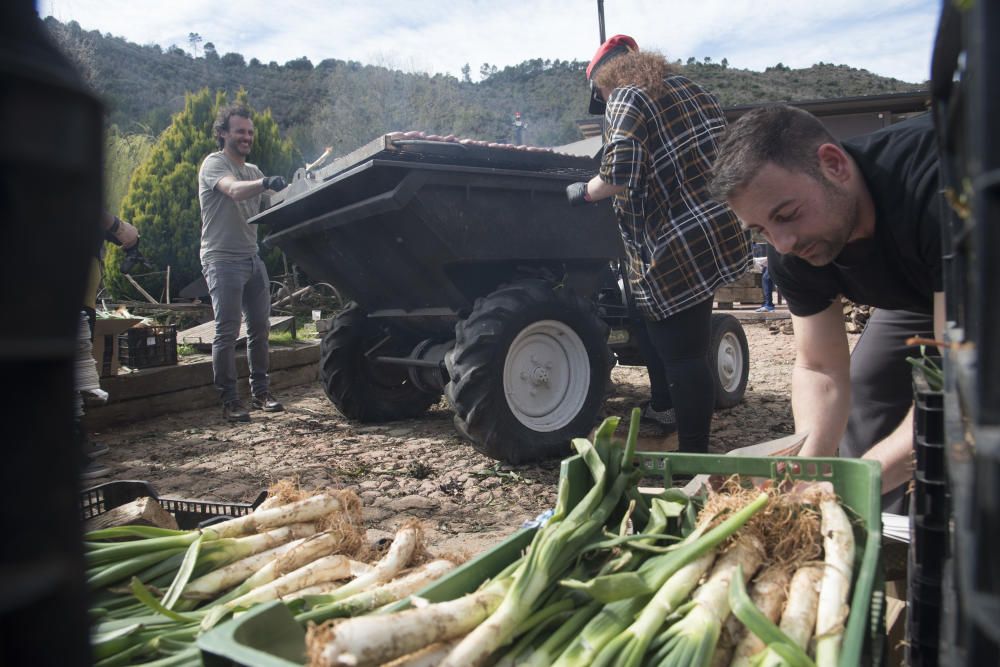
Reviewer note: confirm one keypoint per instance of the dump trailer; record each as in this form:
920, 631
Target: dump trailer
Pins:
468, 274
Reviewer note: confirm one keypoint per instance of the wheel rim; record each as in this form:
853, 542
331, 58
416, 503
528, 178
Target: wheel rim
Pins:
729, 362
546, 375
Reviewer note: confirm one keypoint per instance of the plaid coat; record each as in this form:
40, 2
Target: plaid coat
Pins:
680, 243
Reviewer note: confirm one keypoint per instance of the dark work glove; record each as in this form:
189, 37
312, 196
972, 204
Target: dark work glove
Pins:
576, 193
274, 183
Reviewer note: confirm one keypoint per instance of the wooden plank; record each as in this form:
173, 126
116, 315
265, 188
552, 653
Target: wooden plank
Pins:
202, 335
748, 279
166, 379
740, 294
205, 396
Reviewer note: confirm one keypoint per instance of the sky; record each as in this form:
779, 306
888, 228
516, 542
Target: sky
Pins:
888, 37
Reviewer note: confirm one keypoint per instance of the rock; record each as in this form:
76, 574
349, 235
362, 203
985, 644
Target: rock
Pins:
448, 507
375, 514
368, 484
407, 503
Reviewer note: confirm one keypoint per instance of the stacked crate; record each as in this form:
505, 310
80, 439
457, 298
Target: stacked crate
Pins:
929, 518
966, 101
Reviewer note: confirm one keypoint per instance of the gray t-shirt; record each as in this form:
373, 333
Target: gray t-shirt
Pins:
225, 233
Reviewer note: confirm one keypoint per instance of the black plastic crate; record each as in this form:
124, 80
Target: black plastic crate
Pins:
928, 415
930, 460
930, 501
148, 347
924, 614
189, 513
923, 617
928, 544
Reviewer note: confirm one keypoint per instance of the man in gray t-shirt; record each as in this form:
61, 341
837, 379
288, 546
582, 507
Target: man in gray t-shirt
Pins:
231, 191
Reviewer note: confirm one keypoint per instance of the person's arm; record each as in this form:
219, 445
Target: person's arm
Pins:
239, 190
582, 193
821, 380
895, 454
624, 162
598, 189
126, 234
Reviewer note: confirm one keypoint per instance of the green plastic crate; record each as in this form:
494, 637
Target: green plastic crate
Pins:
269, 636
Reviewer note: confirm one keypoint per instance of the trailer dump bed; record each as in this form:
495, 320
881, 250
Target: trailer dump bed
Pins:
425, 227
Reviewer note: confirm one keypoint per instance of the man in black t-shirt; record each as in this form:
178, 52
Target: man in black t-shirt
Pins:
861, 220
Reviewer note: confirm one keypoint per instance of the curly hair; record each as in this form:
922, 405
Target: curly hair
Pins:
222, 120
645, 69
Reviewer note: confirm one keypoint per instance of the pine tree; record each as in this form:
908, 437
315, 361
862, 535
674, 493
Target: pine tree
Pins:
162, 198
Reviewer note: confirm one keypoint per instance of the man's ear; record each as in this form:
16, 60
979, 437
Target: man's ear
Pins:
834, 163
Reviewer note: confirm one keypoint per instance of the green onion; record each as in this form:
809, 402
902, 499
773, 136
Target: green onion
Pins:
776, 640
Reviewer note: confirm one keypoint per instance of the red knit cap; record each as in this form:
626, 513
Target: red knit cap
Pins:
614, 47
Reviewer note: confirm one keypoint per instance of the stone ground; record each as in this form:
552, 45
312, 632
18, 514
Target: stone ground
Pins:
411, 468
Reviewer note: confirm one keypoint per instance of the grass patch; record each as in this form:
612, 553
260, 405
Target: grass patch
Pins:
186, 350
281, 338
303, 332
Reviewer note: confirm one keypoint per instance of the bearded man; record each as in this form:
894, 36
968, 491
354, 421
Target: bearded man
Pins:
231, 191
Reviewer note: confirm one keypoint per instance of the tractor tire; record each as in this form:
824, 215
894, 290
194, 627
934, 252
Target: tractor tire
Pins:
729, 359
528, 371
361, 390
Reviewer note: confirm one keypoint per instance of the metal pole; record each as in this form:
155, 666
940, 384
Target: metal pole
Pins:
600, 18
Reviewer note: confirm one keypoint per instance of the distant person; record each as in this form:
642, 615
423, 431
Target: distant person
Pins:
859, 219
231, 191
768, 285
660, 138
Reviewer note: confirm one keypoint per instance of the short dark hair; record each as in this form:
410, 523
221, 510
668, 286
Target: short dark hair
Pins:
783, 135
222, 120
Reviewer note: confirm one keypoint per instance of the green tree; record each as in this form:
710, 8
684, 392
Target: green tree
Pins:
162, 198
123, 153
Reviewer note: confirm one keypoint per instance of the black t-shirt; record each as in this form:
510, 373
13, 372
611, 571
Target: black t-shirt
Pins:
899, 268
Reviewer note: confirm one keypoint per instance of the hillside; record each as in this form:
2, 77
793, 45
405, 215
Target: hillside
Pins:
344, 104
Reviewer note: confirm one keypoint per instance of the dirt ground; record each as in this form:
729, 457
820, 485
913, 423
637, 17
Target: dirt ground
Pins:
411, 468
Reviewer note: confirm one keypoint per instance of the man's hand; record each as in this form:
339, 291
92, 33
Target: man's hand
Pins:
576, 194
274, 183
122, 233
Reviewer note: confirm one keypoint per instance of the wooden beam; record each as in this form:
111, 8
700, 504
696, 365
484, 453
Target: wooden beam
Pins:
205, 396
139, 287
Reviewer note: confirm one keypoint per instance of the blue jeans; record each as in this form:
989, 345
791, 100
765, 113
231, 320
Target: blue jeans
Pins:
239, 288
768, 284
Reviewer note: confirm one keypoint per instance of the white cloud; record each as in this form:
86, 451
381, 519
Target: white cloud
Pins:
891, 38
